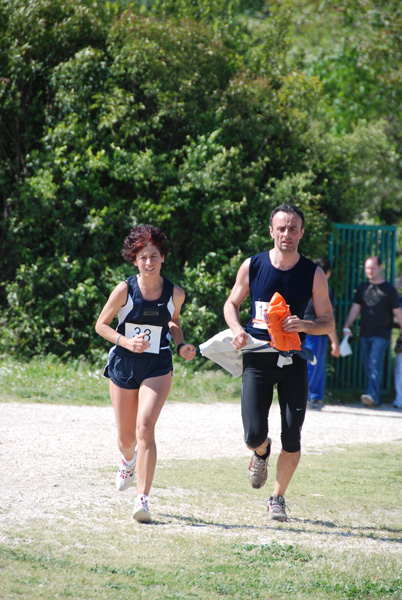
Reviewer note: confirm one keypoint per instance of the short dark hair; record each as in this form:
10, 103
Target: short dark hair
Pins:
141, 236
324, 264
290, 209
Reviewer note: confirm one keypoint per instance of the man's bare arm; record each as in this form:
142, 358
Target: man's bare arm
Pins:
398, 314
239, 292
351, 318
324, 323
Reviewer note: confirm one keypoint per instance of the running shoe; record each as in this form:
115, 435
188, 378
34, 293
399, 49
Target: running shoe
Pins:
277, 508
367, 400
125, 474
258, 469
315, 404
141, 512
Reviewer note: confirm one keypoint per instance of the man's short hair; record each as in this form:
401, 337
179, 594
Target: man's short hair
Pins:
377, 258
324, 264
290, 209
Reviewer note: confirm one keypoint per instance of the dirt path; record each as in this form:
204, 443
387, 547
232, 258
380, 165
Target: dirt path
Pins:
46, 450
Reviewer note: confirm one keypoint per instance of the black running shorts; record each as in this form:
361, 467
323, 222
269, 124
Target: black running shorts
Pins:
128, 371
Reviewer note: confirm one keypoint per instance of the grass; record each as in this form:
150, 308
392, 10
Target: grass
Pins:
211, 538
51, 381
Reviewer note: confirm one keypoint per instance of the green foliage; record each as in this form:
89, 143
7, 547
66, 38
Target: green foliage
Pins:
198, 117
36, 36
217, 12
360, 72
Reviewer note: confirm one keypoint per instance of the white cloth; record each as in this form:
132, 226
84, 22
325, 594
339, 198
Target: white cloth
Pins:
219, 349
344, 346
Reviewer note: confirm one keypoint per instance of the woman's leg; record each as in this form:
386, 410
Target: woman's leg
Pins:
151, 398
125, 405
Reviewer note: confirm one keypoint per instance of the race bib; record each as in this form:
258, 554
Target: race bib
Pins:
259, 322
152, 335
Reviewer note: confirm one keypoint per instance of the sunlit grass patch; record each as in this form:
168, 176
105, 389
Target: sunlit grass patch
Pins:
50, 380
211, 538
204, 386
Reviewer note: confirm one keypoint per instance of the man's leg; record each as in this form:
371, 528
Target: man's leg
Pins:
365, 346
261, 450
378, 347
311, 343
316, 373
398, 381
256, 399
321, 358
292, 395
286, 466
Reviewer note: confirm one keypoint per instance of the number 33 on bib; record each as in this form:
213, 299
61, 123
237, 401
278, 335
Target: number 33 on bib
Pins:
152, 335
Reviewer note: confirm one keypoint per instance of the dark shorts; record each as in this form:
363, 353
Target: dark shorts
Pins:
129, 371
260, 374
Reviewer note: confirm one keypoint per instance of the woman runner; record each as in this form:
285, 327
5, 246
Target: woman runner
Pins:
140, 362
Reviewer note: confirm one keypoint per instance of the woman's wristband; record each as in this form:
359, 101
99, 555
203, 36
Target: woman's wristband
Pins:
179, 346
118, 337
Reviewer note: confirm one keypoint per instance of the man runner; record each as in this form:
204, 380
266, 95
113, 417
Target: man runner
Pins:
297, 279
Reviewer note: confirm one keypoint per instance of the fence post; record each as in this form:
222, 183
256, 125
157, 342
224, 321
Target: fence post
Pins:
349, 246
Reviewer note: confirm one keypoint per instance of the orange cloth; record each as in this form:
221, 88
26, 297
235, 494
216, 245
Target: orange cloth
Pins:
274, 315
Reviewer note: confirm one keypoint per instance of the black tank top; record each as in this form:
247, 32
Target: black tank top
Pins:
295, 285
143, 313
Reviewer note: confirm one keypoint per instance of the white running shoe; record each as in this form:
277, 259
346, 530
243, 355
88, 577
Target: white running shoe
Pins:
141, 512
125, 474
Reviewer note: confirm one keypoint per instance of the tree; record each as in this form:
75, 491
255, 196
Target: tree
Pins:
198, 126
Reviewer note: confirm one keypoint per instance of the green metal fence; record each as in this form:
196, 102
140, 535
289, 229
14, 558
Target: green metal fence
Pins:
349, 247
